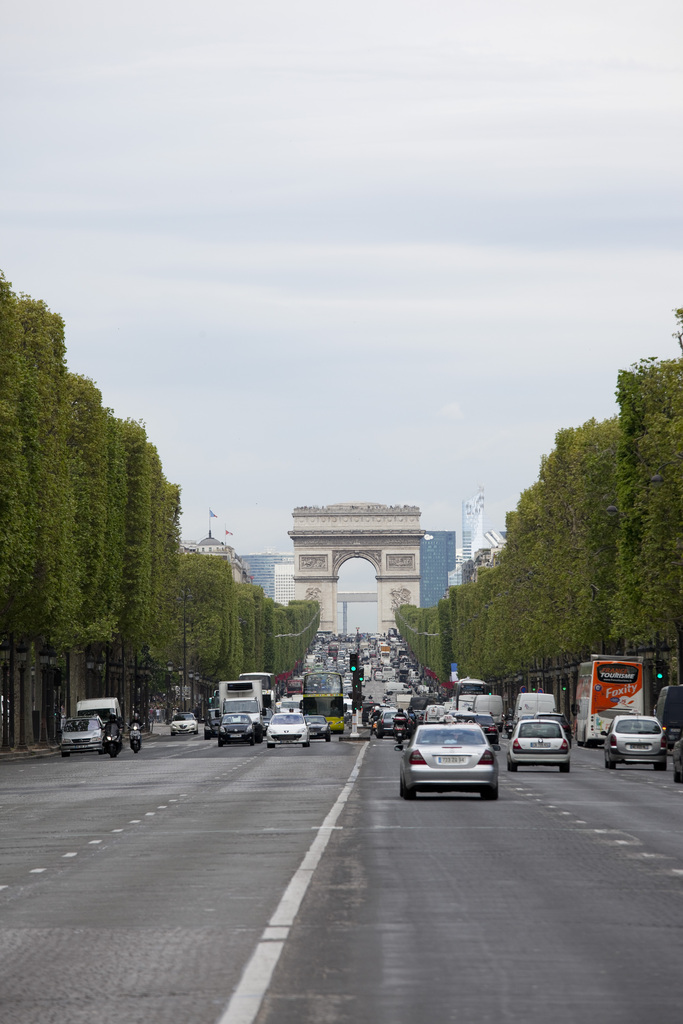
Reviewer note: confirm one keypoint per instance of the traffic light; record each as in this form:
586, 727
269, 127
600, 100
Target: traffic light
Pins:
360, 672
661, 673
357, 684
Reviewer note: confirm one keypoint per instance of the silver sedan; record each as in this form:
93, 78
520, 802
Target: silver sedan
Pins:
442, 757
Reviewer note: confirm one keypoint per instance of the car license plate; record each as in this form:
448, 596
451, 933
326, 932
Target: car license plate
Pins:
637, 746
452, 759
540, 743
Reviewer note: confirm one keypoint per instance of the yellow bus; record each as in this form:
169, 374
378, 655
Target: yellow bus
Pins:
323, 694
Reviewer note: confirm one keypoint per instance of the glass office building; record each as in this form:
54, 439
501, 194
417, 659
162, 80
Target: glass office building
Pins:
437, 559
261, 568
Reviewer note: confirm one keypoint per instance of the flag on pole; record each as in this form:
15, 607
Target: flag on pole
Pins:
228, 533
212, 515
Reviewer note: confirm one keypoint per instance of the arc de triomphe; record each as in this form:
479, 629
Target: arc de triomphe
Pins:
387, 536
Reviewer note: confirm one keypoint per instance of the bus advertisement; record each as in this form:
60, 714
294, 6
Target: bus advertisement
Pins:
608, 685
323, 694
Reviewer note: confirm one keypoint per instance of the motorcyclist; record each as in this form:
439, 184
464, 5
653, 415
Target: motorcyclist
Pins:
135, 726
115, 729
401, 721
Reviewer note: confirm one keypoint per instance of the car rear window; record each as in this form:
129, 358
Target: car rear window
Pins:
540, 730
435, 736
638, 726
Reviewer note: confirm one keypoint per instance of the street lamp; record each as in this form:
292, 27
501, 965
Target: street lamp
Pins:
185, 596
169, 697
190, 676
44, 658
90, 668
4, 661
21, 651
52, 686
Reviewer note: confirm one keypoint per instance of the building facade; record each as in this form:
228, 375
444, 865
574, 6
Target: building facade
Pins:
261, 568
284, 582
437, 560
216, 548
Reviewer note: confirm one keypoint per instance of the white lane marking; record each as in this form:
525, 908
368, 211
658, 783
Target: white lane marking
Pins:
135, 821
94, 842
4, 886
69, 855
162, 807
247, 998
117, 830
150, 814
37, 871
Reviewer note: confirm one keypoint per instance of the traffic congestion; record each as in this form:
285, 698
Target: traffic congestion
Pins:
370, 861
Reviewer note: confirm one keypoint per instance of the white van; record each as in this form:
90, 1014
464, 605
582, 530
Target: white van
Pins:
534, 704
102, 706
434, 712
490, 704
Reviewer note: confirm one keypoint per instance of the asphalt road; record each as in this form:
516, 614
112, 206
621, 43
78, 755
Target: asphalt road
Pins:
141, 888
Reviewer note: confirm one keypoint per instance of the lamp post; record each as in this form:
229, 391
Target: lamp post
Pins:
169, 699
190, 676
185, 596
89, 669
21, 651
52, 729
4, 660
43, 658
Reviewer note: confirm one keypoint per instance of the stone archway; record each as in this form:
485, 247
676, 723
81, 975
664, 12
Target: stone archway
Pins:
387, 536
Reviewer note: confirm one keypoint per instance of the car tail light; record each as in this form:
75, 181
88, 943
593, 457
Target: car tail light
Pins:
516, 745
487, 758
613, 740
663, 741
564, 747
416, 758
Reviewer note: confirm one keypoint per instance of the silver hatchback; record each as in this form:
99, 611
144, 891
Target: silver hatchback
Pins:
538, 742
442, 757
635, 739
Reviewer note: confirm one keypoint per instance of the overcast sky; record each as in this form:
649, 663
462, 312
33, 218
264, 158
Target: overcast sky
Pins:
347, 251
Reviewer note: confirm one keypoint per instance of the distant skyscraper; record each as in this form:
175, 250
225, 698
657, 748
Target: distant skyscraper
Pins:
437, 560
473, 525
284, 582
261, 567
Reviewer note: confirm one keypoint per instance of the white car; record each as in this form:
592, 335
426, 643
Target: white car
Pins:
288, 728
184, 722
537, 741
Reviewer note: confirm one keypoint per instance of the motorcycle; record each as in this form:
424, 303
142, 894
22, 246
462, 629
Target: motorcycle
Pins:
135, 736
400, 733
112, 740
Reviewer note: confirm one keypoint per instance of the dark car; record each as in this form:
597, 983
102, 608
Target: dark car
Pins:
318, 727
487, 723
212, 723
236, 728
551, 716
385, 723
